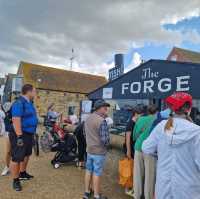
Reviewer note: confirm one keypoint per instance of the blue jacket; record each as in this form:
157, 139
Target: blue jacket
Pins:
178, 166
26, 111
163, 115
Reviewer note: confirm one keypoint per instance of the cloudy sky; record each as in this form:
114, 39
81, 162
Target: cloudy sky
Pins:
45, 31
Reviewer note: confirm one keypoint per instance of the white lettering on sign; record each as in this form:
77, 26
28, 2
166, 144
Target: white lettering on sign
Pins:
148, 73
135, 87
124, 87
148, 86
164, 85
183, 83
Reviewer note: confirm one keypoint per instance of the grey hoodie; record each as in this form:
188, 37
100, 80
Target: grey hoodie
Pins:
178, 167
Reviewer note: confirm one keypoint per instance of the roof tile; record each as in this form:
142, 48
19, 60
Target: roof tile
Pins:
49, 78
192, 56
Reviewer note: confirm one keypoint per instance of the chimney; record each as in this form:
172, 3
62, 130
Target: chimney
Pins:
119, 62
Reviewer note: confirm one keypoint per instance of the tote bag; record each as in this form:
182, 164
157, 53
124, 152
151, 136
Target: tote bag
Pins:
126, 172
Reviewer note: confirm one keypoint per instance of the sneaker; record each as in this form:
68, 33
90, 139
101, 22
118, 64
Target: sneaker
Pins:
17, 185
25, 176
86, 195
130, 192
5, 171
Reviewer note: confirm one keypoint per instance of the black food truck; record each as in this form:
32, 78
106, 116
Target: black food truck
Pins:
151, 82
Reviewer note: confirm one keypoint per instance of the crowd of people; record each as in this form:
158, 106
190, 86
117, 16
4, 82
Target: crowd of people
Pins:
165, 149
164, 146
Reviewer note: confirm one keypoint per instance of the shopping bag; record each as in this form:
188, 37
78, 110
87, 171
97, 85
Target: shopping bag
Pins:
126, 172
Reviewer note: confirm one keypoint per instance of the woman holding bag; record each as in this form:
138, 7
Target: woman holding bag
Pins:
144, 165
129, 144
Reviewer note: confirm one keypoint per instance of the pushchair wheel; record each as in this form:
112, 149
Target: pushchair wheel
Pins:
56, 165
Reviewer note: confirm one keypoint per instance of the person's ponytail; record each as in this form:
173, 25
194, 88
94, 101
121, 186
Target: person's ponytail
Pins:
169, 123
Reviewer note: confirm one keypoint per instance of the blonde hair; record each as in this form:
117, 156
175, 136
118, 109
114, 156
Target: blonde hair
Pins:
170, 121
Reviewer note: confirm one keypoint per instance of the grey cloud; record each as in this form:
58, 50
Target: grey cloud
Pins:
44, 31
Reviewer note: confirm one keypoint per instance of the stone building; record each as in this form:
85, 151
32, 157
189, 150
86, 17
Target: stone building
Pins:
183, 55
64, 88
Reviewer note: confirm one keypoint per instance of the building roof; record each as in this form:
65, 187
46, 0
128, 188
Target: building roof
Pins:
191, 56
49, 78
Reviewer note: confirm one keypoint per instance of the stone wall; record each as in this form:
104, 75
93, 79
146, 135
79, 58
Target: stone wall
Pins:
61, 100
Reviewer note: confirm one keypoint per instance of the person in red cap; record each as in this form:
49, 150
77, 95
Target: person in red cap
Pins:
176, 143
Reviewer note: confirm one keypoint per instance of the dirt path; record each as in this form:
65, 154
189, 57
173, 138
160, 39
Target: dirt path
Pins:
63, 183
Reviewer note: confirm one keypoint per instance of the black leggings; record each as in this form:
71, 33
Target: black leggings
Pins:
81, 149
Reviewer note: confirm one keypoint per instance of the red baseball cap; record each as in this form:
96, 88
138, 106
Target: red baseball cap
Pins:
178, 99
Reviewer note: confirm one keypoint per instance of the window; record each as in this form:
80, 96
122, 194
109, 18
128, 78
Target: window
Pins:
71, 110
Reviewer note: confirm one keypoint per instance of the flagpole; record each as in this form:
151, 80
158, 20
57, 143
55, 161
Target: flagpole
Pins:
72, 59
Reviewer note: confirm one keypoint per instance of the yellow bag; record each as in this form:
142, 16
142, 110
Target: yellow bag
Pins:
126, 172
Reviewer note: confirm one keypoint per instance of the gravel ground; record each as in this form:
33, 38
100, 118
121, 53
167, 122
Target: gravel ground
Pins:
66, 182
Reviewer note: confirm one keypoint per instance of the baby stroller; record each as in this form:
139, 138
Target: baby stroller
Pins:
66, 151
55, 139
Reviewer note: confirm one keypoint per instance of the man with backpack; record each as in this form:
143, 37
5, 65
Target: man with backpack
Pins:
97, 140
24, 124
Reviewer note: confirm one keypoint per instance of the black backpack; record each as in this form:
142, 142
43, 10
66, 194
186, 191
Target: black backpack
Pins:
8, 121
8, 118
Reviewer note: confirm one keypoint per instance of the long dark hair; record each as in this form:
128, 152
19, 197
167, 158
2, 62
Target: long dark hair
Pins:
138, 109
